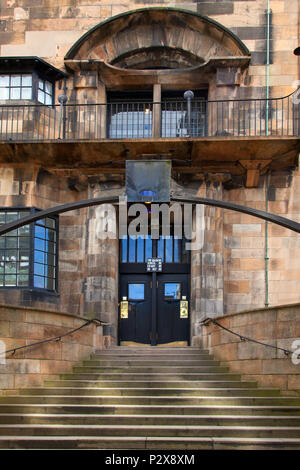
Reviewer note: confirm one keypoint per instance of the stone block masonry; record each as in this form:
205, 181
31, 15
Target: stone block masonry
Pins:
20, 326
276, 326
49, 28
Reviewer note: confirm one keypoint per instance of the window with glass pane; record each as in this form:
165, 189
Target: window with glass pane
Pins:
174, 118
136, 291
28, 254
172, 291
130, 120
136, 249
45, 245
170, 249
14, 252
45, 92
16, 87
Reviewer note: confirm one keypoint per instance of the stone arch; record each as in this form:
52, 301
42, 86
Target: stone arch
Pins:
126, 40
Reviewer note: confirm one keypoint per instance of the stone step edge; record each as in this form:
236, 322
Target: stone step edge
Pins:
162, 407
164, 374
250, 440
284, 398
149, 427
180, 389
154, 381
160, 416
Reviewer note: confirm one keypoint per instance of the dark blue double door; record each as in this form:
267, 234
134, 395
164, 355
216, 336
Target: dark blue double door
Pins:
154, 316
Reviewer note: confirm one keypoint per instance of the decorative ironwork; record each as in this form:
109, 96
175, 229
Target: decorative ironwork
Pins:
276, 219
127, 120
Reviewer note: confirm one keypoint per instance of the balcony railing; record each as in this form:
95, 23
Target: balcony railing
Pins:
144, 120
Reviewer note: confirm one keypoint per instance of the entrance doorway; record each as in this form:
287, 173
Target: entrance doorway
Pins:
155, 314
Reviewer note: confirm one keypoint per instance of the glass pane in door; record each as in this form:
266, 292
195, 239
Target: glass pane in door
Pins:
172, 290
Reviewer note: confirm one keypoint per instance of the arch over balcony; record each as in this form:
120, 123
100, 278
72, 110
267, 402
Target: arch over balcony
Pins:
160, 39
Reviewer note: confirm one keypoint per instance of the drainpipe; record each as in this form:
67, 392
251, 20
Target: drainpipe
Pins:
268, 67
267, 243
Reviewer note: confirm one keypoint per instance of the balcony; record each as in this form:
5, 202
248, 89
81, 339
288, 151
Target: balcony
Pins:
235, 138
147, 120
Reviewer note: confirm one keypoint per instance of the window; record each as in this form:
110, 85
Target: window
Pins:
174, 116
28, 255
136, 291
16, 87
45, 92
130, 114
172, 290
138, 249
26, 87
45, 253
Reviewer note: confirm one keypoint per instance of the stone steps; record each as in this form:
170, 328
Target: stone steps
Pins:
120, 351
116, 364
150, 376
226, 410
138, 420
148, 430
140, 392
148, 443
149, 398
153, 384
150, 369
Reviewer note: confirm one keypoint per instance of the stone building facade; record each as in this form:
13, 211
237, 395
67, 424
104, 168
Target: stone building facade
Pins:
234, 55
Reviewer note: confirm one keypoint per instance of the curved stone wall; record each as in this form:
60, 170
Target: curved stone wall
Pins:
20, 326
277, 326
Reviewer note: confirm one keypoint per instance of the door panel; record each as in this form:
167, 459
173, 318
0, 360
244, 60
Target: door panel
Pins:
136, 328
170, 327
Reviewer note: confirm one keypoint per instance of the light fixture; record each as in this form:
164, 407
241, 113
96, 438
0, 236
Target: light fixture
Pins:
148, 180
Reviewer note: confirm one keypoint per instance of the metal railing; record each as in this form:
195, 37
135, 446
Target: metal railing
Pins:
127, 120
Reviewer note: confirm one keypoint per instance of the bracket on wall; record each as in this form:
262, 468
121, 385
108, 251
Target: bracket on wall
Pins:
254, 169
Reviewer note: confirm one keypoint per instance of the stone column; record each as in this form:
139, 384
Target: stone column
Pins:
84, 118
223, 116
102, 110
156, 113
207, 263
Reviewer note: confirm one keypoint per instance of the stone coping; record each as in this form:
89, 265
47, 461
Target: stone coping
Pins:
33, 309
265, 309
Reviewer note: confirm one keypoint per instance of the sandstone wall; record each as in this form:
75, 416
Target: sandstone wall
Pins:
278, 326
247, 272
88, 267
20, 326
229, 269
48, 28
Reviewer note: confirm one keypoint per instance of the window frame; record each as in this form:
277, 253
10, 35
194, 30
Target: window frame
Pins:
32, 250
11, 87
36, 77
130, 299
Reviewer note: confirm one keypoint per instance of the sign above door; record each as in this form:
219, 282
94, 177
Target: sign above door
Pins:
154, 265
148, 180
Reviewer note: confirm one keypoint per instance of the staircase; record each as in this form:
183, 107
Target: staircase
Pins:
149, 398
